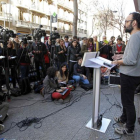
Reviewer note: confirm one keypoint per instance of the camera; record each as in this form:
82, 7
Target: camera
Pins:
54, 35
26, 39
38, 33
5, 34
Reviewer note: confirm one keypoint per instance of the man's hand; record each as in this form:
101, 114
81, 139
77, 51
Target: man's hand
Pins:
118, 62
115, 62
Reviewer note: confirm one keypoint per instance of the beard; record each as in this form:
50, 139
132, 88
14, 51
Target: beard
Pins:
128, 29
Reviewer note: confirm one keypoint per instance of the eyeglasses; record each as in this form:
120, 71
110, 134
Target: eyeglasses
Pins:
128, 20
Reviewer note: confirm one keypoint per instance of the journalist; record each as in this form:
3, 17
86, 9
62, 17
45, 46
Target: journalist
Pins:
39, 50
129, 74
23, 59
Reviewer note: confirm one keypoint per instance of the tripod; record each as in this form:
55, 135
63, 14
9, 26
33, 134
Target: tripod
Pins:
6, 70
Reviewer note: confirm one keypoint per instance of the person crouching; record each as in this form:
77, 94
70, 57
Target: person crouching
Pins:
80, 73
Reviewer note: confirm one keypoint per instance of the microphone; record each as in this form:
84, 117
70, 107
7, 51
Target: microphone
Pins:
99, 50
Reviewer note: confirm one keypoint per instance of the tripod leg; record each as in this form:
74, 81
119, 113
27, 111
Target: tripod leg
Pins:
7, 78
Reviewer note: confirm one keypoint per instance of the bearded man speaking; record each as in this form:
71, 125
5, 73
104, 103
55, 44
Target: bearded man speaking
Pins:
129, 74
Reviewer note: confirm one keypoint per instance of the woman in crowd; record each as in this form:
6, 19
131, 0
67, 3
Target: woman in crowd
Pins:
62, 74
10, 54
23, 59
84, 47
50, 83
73, 53
90, 45
61, 53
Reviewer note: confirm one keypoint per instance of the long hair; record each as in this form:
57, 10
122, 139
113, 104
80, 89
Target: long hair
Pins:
11, 43
51, 72
90, 40
66, 72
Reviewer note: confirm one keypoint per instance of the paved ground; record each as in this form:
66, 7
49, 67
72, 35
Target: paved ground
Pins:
69, 123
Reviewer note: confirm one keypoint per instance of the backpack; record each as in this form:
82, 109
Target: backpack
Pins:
25, 86
15, 92
87, 86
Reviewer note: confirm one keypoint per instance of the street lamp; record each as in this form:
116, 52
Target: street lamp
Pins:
113, 26
3, 3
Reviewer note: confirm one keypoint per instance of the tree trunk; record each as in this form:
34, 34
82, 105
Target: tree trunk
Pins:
75, 17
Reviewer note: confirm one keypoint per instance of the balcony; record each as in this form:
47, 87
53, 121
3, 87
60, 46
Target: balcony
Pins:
65, 20
65, 7
7, 16
34, 10
63, 31
82, 32
30, 25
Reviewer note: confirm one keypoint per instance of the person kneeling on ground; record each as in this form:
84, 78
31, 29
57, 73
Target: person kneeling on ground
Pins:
3, 113
50, 83
80, 73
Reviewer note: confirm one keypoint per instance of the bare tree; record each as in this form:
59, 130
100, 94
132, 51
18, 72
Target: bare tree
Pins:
118, 18
102, 16
75, 17
105, 14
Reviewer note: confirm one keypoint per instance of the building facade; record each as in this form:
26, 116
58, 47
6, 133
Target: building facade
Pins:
23, 16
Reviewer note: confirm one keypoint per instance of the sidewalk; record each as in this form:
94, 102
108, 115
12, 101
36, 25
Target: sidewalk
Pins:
69, 123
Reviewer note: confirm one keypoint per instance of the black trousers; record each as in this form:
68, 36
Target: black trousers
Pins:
128, 86
42, 64
71, 66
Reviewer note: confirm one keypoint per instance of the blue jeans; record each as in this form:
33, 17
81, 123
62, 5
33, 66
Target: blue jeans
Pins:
78, 79
24, 71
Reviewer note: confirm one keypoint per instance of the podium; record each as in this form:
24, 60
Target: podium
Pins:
89, 60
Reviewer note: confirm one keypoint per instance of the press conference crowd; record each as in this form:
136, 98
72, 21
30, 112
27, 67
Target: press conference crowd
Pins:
62, 62
59, 65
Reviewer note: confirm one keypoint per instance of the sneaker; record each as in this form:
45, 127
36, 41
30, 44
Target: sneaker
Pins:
124, 131
1, 127
118, 120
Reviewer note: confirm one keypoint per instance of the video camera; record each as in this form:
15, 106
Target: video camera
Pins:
5, 34
38, 33
54, 35
26, 39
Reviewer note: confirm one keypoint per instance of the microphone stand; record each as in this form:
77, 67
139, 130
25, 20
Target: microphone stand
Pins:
99, 50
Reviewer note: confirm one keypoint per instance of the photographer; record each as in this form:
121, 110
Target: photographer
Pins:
10, 54
16, 43
24, 60
39, 50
